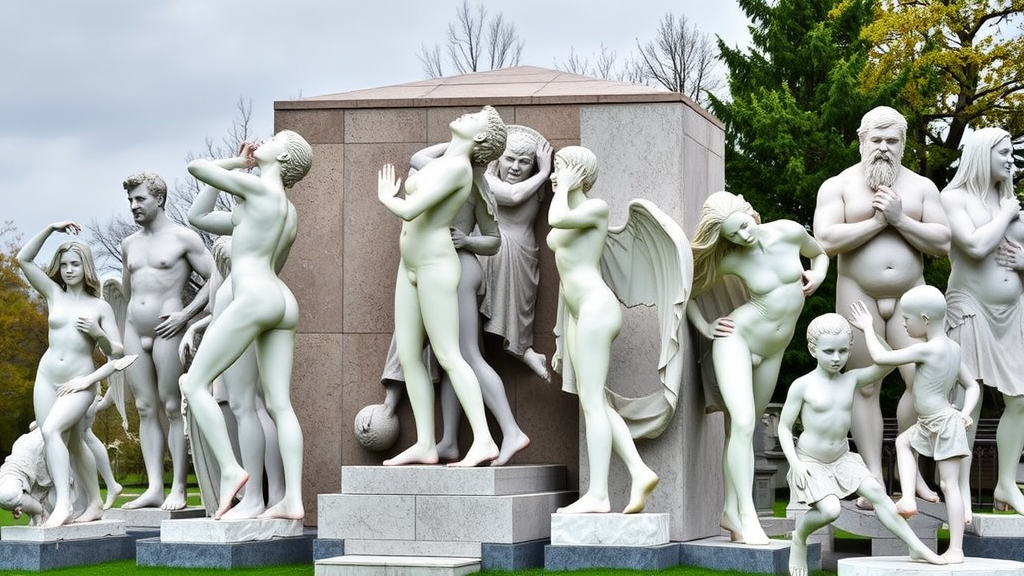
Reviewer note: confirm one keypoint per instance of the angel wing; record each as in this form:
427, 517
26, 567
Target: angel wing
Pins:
113, 292
725, 295
645, 261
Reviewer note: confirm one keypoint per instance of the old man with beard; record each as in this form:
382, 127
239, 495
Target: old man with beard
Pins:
878, 218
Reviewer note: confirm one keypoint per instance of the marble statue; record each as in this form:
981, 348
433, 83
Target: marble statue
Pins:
25, 484
426, 290
985, 314
749, 341
99, 451
645, 261
66, 380
511, 276
941, 429
254, 436
263, 310
822, 468
879, 218
158, 261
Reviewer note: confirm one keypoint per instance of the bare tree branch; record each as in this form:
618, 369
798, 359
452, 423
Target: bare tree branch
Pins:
680, 58
473, 41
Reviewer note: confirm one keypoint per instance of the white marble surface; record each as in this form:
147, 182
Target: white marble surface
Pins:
210, 531
609, 529
442, 480
902, 566
369, 547
151, 517
997, 525
85, 530
865, 523
363, 565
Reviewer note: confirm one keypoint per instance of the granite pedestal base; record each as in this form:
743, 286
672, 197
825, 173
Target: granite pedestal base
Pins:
210, 531
35, 549
293, 550
357, 565
995, 536
630, 557
635, 541
902, 566
719, 553
885, 543
151, 517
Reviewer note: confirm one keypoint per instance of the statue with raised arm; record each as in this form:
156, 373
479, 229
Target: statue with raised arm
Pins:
984, 293
822, 468
66, 380
879, 217
157, 262
263, 310
748, 343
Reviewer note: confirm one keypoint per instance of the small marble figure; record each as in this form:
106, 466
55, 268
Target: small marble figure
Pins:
822, 468
879, 218
426, 289
263, 310
749, 342
158, 261
985, 315
941, 429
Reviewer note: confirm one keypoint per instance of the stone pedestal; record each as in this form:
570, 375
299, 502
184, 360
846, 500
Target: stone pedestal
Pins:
996, 536
227, 555
210, 531
719, 553
35, 548
151, 517
885, 543
437, 511
635, 541
396, 566
889, 565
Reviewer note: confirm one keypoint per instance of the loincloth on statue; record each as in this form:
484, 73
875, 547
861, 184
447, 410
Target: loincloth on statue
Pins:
991, 339
840, 478
940, 436
510, 297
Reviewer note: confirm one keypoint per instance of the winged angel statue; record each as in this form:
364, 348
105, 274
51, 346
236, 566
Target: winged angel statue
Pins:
645, 261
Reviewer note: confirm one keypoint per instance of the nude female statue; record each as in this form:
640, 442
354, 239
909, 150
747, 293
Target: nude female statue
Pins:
593, 318
985, 315
263, 311
426, 300
79, 320
748, 344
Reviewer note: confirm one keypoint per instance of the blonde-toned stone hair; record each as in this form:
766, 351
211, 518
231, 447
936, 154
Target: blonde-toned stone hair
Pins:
975, 170
299, 160
154, 183
91, 280
926, 300
708, 251
830, 324
583, 158
490, 147
882, 117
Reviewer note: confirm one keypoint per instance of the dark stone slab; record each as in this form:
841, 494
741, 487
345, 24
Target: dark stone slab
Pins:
631, 557
38, 556
719, 553
328, 548
1002, 548
509, 557
296, 550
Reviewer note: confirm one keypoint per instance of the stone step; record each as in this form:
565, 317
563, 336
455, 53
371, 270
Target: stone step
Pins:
425, 548
355, 565
442, 480
889, 565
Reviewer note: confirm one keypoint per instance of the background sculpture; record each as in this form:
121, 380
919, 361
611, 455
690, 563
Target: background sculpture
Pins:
984, 292
749, 342
879, 218
262, 311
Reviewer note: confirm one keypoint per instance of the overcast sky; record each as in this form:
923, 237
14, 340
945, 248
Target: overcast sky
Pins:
93, 91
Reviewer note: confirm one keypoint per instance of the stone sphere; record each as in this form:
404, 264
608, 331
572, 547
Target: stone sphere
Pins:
375, 429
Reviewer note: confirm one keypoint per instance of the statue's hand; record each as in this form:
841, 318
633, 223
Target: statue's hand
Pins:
722, 327
89, 325
544, 151
860, 318
968, 421
811, 281
888, 202
1010, 205
1010, 255
247, 154
458, 238
387, 185
187, 345
73, 385
800, 474
67, 227
172, 324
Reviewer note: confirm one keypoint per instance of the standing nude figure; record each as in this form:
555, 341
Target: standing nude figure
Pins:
984, 293
263, 310
158, 261
879, 218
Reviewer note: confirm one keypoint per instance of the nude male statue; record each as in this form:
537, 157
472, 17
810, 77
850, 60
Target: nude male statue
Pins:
158, 261
879, 217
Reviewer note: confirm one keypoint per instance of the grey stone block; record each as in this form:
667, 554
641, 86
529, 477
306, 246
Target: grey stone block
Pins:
889, 565
718, 553
503, 519
631, 557
997, 525
38, 556
441, 480
989, 547
373, 547
296, 550
84, 531
344, 516
396, 566
327, 548
510, 557
151, 517
609, 529
210, 531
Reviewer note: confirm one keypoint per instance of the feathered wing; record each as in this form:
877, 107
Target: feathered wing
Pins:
113, 292
645, 261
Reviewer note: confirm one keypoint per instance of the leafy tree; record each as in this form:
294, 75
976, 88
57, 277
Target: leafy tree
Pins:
23, 340
475, 42
964, 65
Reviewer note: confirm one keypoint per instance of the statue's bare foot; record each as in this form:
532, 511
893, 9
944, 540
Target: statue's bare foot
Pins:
59, 517
1006, 499
538, 363
752, 533
729, 526
643, 485
906, 506
798, 558
151, 498
447, 451
288, 509
481, 452
922, 553
230, 484
510, 445
93, 512
954, 556
175, 499
863, 503
247, 509
587, 505
113, 491
414, 454
924, 492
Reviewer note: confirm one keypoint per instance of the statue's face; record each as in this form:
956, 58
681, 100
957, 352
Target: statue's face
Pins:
72, 271
470, 125
144, 204
882, 144
740, 229
832, 352
916, 324
514, 167
1002, 160
269, 150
